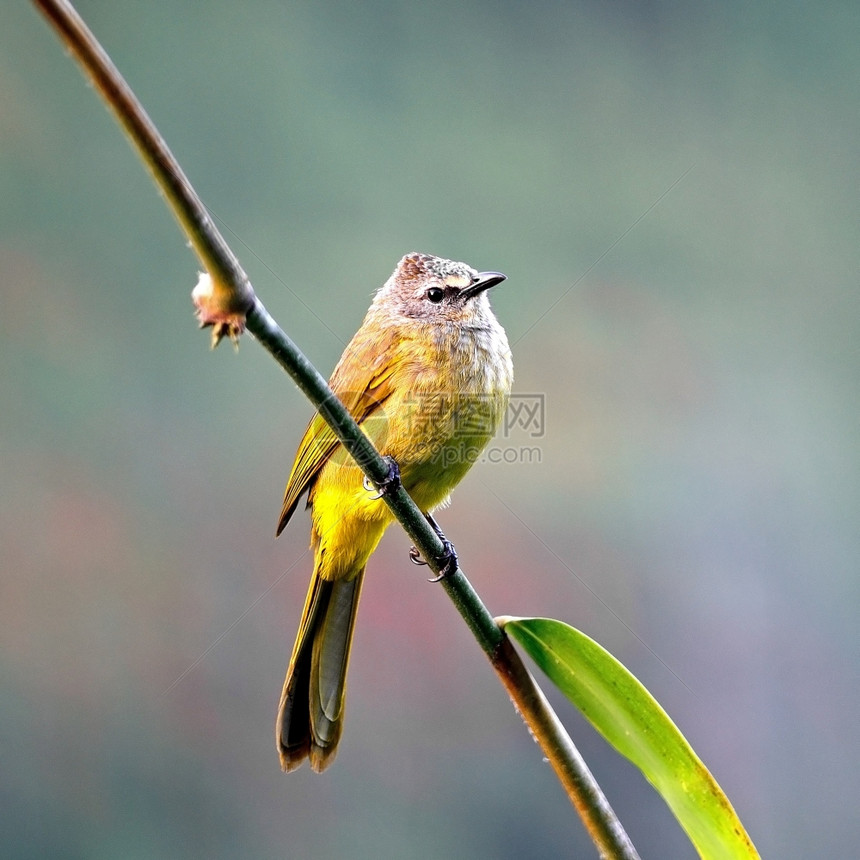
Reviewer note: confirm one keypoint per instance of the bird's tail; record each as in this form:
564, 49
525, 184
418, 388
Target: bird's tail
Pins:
310, 716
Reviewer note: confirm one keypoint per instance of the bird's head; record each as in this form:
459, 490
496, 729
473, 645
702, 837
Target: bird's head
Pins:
432, 289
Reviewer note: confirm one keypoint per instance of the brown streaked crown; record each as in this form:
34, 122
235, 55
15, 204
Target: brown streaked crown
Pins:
418, 266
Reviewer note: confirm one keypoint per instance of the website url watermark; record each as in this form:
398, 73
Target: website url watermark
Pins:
469, 423
529, 455
448, 428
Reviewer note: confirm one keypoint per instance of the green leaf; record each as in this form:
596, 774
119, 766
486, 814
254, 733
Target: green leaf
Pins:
629, 717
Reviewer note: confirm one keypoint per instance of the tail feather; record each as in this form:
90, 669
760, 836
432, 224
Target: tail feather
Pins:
310, 716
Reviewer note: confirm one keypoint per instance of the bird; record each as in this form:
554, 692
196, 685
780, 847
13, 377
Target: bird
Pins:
427, 376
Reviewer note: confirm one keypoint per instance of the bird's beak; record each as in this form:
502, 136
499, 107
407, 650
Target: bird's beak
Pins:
484, 281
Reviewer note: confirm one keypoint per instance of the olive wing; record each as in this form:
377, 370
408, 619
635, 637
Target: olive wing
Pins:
362, 382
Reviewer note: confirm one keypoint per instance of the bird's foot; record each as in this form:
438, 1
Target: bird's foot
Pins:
389, 483
448, 561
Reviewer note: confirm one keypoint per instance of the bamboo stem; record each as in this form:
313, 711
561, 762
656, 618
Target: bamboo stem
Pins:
235, 293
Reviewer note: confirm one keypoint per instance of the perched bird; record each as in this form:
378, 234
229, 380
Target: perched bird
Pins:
427, 376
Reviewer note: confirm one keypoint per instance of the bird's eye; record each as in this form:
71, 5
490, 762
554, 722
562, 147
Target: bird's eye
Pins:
435, 295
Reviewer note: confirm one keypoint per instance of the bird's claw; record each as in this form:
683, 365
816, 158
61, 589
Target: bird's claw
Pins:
448, 561
389, 483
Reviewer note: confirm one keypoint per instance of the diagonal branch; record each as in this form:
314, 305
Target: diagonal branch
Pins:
226, 299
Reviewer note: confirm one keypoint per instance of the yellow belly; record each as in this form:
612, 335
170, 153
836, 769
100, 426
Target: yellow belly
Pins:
434, 449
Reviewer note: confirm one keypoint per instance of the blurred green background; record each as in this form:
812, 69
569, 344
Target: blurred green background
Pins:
672, 190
